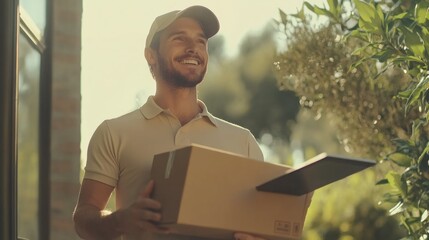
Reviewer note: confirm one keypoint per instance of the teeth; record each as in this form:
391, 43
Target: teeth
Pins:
190, 61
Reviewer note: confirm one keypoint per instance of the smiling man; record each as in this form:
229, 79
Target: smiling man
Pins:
121, 150
180, 57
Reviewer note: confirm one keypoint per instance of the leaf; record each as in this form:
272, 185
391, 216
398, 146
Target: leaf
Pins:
405, 94
369, 16
407, 59
382, 182
283, 17
394, 180
424, 216
300, 14
383, 55
399, 16
319, 11
367, 26
401, 159
333, 7
423, 85
366, 10
422, 12
380, 14
309, 6
357, 63
413, 42
402, 144
357, 33
423, 161
424, 34
416, 131
358, 51
397, 208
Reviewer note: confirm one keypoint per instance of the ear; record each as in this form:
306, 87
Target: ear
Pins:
150, 55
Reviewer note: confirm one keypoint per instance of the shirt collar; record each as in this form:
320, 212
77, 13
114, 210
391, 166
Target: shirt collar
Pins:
206, 113
150, 110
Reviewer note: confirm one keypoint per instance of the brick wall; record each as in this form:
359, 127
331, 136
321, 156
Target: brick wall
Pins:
66, 116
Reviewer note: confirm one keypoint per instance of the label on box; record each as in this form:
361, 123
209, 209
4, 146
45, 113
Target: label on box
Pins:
287, 228
169, 166
296, 230
283, 227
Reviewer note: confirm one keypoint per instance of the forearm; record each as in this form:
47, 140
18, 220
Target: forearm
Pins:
93, 224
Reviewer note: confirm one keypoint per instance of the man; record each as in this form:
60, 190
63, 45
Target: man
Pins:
121, 150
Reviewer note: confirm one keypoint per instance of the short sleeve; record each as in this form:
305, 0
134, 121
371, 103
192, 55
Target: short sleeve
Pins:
102, 164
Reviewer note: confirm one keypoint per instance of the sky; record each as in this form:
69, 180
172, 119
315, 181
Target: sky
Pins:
115, 77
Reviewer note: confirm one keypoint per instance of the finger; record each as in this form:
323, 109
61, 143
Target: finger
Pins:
148, 226
148, 189
241, 236
245, 236
151, 216
148, 203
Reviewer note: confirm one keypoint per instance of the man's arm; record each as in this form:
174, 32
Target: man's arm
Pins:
93, 222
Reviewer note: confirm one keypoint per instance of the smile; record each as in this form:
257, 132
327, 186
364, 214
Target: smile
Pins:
190, 61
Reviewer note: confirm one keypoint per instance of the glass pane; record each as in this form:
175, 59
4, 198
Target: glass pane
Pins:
28, 140
37, 11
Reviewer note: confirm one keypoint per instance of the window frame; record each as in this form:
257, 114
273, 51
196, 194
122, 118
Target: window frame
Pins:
8, 107
13, 21
41, 42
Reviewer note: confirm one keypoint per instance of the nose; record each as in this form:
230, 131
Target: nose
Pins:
191, 49
191, 46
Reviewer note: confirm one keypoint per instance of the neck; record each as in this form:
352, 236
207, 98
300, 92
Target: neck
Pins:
183, 103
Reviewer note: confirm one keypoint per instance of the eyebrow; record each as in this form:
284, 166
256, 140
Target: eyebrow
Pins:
181, 32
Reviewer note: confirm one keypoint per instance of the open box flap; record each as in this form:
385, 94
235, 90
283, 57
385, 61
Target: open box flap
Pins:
315, 173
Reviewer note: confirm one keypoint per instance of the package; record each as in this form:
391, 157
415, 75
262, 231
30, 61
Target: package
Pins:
211, 193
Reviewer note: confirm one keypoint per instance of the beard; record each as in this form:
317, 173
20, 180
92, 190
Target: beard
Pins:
177, 79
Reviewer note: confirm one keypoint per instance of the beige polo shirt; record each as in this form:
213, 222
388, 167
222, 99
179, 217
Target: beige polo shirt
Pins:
121, 150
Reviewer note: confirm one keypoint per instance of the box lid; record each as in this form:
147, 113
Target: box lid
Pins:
315, 173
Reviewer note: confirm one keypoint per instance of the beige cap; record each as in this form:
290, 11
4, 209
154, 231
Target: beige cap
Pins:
203, 15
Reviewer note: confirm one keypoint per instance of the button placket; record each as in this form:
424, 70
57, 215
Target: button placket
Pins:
182, 137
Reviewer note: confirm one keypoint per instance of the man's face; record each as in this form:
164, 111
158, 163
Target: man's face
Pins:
182, 53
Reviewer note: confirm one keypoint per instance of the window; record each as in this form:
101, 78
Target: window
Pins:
29, 178
28, 139
35, 109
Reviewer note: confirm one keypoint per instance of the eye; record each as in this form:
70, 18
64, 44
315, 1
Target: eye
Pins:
203, 41
178, 38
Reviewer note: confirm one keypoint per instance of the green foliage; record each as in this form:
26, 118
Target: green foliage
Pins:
338, 212
249, 92
384, 41
342, 209
316, 66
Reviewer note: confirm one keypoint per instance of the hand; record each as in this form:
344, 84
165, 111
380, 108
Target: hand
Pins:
143, 215
245, 236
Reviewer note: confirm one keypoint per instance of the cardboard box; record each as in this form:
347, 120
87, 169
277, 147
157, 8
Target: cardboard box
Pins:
209, 193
